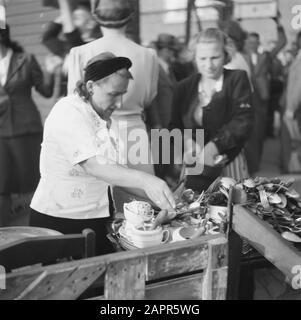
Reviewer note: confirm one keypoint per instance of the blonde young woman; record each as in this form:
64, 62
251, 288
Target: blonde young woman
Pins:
219, 102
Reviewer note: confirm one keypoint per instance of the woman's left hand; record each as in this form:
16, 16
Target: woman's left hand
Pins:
208, 154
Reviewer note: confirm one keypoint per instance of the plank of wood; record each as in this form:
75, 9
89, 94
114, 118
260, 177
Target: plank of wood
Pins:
184, 288
216, 273
17, 284
235, 247
125, 279
179, 257
281, 253
63, 284
66, 284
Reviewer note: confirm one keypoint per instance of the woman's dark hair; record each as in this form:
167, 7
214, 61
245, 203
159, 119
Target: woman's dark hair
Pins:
7, 42
82, 90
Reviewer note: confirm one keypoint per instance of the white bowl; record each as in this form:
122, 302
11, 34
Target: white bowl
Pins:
149, 238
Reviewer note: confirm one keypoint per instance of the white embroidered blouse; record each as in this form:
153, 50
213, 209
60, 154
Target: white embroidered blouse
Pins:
73, 133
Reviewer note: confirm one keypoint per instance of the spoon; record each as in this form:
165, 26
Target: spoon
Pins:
290, 236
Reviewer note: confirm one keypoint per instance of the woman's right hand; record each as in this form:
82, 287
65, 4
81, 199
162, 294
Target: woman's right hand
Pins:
158, 192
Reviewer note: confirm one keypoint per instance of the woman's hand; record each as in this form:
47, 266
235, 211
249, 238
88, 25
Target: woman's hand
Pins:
158, 192
208, 154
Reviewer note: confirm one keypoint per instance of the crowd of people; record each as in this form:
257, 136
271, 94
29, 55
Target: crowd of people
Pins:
107, 88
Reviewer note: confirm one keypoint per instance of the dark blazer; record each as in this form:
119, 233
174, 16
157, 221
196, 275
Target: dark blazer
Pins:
18, 112
228, 118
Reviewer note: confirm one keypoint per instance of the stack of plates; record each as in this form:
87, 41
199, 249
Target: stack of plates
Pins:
124, 241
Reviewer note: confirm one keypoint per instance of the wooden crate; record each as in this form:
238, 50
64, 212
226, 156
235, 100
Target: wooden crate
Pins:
192, 269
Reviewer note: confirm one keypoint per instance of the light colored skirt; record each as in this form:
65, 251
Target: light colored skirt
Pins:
237, 169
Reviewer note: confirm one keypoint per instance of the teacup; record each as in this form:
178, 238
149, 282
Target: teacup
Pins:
132, 217
147, 238
135, 218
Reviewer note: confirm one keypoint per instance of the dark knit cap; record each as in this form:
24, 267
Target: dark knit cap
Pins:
104, 65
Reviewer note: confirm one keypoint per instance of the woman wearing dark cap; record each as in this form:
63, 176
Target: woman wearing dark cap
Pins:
80, 155
20, 125
113, 16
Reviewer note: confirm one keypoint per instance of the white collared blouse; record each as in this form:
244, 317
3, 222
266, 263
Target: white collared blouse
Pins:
204, 99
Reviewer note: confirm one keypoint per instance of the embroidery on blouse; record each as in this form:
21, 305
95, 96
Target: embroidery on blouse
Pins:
105, 139
73, 173
76, 154
77, 193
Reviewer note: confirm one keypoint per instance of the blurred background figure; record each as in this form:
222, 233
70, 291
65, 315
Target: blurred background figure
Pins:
183, 66
261, 73
74, 27
290, 132
20, 125
167, 49
277, 78
176, 63
236, 37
